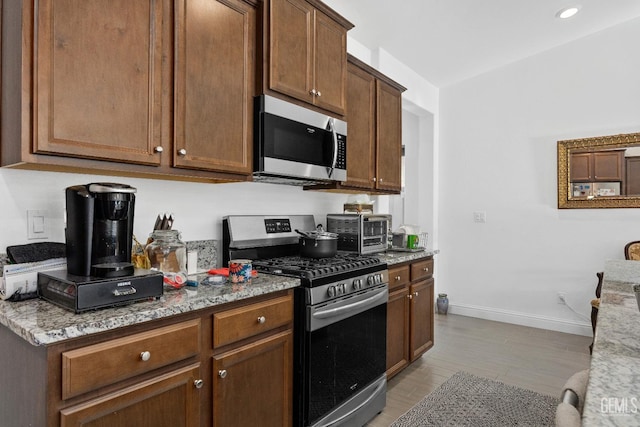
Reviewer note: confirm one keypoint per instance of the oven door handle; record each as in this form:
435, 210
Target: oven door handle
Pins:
380, 297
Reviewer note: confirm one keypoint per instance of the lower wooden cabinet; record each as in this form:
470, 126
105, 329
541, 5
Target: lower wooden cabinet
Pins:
170, 399
253, 364
166, 372
410, 312
252, 383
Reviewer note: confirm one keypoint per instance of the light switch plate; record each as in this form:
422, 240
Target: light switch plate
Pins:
37, 225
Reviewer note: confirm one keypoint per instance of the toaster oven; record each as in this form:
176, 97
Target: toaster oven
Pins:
361, 233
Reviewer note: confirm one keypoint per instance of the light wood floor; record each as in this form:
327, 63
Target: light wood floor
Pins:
535, 359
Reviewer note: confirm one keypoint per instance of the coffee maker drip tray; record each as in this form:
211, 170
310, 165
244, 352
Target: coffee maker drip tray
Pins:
79, 294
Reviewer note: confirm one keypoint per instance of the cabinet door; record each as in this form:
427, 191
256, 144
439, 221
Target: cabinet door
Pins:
607, 165
397, 331
330, 74
98, 79
171, 399
252, 385
421, 317
361, 118
581, 167
632, 176
214, 85
389, 137
291, 48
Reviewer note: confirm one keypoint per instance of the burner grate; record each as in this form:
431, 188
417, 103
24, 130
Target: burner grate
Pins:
312, 268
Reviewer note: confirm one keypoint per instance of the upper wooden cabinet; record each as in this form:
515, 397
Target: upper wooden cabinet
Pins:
305, 52
135, 88
98, 79
214, 85
374, 135
597, 166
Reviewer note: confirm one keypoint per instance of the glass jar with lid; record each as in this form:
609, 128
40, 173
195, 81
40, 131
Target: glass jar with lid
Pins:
168, 253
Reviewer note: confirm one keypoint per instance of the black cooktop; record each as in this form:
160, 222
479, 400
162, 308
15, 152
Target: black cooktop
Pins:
310, 268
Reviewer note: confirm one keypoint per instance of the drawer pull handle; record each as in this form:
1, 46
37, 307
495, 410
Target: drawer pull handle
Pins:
124, 292
145, 356
426, 269
222, 373
198, 383
262, 319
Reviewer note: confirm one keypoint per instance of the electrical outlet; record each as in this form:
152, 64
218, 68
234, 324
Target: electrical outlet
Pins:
561, 298
480, 216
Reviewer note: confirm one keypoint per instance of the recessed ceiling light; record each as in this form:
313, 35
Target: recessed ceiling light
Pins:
567, 12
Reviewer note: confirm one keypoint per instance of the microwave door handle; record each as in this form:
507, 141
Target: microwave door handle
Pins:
332, 129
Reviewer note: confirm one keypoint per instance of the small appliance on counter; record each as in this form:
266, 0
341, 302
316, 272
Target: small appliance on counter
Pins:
409, 238
360, 233
99, 238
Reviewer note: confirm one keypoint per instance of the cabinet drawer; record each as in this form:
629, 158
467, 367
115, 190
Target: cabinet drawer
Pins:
398, 276
98, 365
243, 322
422, 269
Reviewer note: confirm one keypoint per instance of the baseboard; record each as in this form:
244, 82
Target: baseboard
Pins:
534, 321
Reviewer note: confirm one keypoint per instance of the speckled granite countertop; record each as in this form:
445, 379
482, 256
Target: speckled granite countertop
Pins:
393, 257
42, 323
613, 392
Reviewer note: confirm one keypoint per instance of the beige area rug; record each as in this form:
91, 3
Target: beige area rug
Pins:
468, 400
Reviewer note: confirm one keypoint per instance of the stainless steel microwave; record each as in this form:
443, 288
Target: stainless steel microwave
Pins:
296, 145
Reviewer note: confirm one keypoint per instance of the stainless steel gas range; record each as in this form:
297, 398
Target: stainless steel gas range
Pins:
340, 319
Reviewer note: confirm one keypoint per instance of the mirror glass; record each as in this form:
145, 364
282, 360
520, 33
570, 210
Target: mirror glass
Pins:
599, 172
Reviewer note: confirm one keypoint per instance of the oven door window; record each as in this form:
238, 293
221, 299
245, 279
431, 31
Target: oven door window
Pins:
344, 357
297, 142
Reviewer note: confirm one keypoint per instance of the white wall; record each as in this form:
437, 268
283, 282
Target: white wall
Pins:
198, 207
499, 134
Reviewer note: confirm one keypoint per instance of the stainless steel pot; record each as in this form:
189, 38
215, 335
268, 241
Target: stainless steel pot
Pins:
318, 243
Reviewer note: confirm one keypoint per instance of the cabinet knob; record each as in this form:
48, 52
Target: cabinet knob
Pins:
373, 179
222, 373
182, 152
313, 92
426, 269
380, 180
416, 293
198, 383
318, 93
158, 149
262, 319
397, 277
145, 355
410, 296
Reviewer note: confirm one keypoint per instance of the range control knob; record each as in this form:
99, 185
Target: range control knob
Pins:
331, 291
371, 281
357, 284
343, 288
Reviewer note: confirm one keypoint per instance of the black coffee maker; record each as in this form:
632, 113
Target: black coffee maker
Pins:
99, 229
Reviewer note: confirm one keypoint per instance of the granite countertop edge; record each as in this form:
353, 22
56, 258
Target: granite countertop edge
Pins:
614, 370
42, 323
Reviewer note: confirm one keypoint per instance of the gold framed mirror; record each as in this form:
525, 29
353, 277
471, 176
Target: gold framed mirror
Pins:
599, 172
